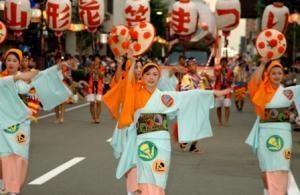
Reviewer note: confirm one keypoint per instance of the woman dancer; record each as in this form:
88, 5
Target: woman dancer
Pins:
144, 147
271, 137
14, 115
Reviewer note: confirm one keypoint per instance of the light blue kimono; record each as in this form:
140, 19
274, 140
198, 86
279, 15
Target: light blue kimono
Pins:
167, 82
151, 152
272, 141
15, 125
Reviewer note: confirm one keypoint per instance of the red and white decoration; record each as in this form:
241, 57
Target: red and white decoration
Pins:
91, 13
3, 32
275, 16
17, 15
138, 39
137, 11
119, 40
271, 44
59, 14
184, 18
228, 13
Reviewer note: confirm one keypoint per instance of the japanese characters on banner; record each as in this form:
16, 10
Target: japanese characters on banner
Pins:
136, 11
91, 13
275, 16
59, 14
228, 13
184, 18
3, 32
17, 15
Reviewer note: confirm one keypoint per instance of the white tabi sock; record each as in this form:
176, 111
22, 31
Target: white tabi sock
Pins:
266, 192
292, 185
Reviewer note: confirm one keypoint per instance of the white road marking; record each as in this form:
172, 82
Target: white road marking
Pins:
54, 172
69, 109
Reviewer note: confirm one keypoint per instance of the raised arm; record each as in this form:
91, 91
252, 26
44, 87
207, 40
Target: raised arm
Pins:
258, 73
118, 73
26, 76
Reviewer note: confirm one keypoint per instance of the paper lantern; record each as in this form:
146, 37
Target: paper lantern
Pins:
91, 13
17, 15
59, 14
207, 24
228, 14
137, 11
184, 18
3, 32
271, 44
275, 16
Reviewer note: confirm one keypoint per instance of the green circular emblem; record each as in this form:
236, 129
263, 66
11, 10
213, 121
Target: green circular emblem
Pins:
147, 151
13, 129
275, 143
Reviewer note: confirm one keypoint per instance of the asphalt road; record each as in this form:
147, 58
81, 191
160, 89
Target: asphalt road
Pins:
227, 166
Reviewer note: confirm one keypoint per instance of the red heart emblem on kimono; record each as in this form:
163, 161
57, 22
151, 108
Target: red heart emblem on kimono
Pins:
167, 100
138, 38
289, 94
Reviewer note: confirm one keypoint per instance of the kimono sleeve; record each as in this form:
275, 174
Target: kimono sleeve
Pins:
193, 115
167, 82
50, 88
12, 108
23, 87
296, 91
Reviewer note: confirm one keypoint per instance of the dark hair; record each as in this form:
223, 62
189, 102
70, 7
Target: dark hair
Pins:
149, 67
15, 54
140, 60
67, 56
96, 56
224, 59
181, 56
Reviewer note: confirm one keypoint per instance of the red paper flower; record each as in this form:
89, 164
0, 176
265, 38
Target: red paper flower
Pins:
281, 49
273, 43
123, 32
147, 35
268, 33
125, 44
137, 47
261, 45
270, 54
133, 34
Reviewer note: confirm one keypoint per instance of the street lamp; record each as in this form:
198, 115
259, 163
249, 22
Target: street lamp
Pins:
36, 15
159, 12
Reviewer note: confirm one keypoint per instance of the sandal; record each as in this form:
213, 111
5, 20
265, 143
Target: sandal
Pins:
183, 146
194, 149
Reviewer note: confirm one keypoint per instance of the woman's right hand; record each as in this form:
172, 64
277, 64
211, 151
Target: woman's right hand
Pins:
120, 60
264, 60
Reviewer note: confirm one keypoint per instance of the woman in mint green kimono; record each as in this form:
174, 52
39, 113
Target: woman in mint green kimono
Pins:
271, 137
144, 146
14, 115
